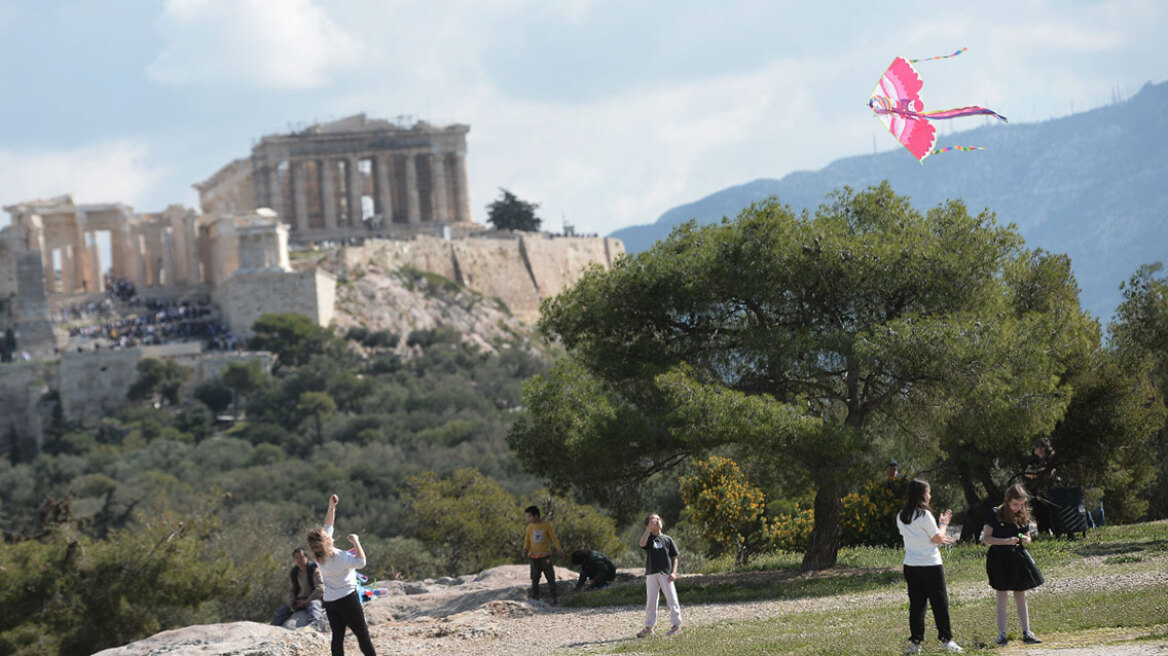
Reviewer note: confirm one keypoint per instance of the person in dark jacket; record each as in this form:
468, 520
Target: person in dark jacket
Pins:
306, 590
593, 565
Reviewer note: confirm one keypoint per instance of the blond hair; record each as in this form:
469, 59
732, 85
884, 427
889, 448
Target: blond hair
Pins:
321, 544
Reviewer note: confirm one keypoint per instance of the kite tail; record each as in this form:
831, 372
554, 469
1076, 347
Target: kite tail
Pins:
963, 111
964, 149
939, 56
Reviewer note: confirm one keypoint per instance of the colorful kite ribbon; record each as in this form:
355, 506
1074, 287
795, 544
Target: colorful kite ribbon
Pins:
939, 56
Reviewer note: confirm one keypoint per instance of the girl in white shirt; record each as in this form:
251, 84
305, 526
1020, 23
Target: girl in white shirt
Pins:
922, 566
339, 568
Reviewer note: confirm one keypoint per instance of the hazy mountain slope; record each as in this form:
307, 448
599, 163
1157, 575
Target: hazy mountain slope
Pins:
1092, 185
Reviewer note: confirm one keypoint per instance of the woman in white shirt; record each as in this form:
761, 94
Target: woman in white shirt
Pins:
342, 604
922, 566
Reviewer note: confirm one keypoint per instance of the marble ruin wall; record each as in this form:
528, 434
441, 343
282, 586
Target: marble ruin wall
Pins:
246, 296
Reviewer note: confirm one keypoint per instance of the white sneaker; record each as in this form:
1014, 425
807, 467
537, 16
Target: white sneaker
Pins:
951, 647
912, 649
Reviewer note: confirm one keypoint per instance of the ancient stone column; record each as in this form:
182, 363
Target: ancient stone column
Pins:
95, 271
461, 188
243, 248
299, 198
66, 269
82, 268
276, 190
413, 208
167, 273
384, 196
141, 253
441, 203
355, 185
328, 193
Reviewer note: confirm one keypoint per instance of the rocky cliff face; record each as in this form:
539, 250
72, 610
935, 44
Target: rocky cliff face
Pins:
404, 300
518, 269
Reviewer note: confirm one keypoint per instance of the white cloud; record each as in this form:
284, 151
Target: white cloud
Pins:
282, 44
626, 157
621, 153
113, 171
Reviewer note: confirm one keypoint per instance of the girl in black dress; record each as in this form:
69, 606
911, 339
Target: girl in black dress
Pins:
1008, 564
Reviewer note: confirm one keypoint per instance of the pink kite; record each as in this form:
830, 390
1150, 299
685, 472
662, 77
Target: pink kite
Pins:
896, 100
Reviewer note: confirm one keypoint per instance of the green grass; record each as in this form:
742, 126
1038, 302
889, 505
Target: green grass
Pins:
719, 589
1062, 617
884, 629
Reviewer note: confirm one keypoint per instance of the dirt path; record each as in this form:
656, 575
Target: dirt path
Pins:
489, 615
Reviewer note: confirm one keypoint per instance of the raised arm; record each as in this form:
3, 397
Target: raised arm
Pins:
942, 536
330, 517
357, 550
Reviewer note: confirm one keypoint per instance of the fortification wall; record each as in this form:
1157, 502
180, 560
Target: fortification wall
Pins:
244, 297
23, 390
496, 267
7, 268
557, 263
95, 383
520, 270
423, 253
90, 385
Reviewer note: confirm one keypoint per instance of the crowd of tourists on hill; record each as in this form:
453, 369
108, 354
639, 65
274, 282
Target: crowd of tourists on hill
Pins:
126, 319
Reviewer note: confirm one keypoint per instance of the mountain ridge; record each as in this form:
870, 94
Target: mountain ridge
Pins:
1091, 185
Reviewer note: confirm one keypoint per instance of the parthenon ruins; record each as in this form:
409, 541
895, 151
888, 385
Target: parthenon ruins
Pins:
354, 177
87, 290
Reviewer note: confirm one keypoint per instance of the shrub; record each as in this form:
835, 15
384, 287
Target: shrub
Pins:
728, 510
868, 517
792, 531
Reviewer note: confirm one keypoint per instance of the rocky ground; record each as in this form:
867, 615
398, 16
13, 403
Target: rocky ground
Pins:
489, 615
380, 299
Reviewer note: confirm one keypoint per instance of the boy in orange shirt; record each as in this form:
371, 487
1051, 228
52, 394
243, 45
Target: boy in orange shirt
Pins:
537, 544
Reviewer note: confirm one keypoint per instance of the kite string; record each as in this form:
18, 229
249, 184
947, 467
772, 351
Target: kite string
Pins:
938, 57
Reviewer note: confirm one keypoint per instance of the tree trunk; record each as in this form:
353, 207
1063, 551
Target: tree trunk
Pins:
823, 548
973, 505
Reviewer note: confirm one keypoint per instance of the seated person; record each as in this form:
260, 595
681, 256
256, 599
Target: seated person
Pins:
1040, 467
593, 565
1040, 478
306, 592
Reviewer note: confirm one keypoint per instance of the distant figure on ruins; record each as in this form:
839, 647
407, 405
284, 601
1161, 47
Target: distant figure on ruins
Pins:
306, 590
593, 565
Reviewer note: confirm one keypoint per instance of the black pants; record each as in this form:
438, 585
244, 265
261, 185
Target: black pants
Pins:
347, 612
543, 565
926, 585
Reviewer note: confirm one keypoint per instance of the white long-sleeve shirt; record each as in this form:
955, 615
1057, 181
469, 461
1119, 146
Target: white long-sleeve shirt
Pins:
339, 572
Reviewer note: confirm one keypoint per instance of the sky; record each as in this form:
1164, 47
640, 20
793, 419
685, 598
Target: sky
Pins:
606, 113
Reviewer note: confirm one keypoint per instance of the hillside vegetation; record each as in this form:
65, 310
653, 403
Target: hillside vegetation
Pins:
745, 381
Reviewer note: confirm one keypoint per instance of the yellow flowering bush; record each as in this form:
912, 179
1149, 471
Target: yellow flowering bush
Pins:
868, 516
729, 512
791, 531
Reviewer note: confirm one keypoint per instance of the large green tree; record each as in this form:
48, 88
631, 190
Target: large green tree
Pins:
785, 334
1138, 336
